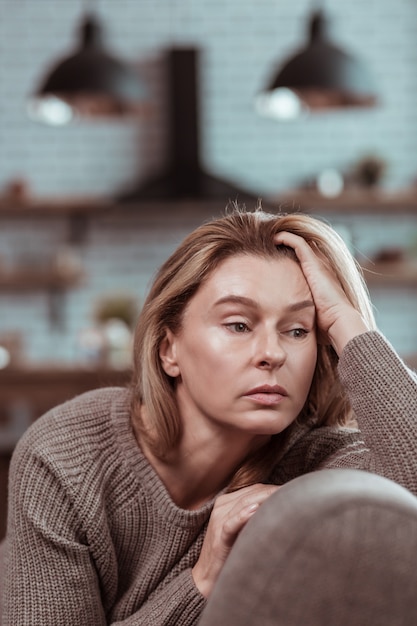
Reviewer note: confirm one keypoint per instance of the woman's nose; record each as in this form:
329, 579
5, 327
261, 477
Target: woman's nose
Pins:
270, 352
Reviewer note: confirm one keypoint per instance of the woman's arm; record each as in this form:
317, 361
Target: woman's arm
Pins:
52, 576
383, 395
49, 578
382, 390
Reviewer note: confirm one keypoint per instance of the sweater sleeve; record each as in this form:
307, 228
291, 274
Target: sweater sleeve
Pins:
51, 577
383, 395
180, 603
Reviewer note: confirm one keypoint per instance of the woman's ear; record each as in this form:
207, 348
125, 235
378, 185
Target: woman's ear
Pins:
168, 356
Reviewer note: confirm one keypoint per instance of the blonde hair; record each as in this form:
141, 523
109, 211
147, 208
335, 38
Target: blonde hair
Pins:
179, 278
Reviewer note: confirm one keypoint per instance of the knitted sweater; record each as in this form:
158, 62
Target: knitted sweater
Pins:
93, 535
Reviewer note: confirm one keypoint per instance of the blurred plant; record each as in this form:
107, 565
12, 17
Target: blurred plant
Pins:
120, 306
369, 170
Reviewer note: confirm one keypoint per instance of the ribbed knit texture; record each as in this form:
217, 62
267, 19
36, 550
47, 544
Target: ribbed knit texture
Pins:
93, 535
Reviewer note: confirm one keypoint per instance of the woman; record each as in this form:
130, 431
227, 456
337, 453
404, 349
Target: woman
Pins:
255, 357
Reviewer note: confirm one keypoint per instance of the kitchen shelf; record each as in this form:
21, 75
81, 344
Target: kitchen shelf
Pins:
53, 207
76, 210
53, 282
391, 274
39, 279
350, 202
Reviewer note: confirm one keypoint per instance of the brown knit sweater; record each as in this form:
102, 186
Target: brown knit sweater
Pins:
93, 536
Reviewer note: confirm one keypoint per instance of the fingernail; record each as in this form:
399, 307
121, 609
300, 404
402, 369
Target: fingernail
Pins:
252, 508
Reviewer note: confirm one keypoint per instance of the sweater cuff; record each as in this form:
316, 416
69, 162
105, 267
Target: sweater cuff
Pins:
188, 597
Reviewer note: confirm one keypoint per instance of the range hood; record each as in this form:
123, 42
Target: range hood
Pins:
185, 178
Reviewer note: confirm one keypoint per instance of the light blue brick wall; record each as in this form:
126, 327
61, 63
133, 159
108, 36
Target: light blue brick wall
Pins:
241, 43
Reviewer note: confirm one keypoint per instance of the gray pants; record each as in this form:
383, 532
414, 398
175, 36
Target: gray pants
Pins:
331, 548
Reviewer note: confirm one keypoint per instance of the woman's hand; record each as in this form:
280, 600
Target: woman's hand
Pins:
337, 319
230, 513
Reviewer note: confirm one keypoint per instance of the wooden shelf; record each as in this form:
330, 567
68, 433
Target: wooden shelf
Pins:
351, 202
52, 282
53, 207
78, 207
39, 279
391, 274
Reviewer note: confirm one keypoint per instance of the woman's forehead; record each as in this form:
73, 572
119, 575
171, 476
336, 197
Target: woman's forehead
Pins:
264, 279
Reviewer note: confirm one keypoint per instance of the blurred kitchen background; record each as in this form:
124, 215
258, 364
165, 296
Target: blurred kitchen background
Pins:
94, 197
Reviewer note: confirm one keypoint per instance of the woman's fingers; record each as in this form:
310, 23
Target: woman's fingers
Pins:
302, 249
336, 316
323, 284
236, 514
230, 514
327, 292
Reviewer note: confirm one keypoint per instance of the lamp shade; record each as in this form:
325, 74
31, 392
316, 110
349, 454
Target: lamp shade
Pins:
321, 76
90, 82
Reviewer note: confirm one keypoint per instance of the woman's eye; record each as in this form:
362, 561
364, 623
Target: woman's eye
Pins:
238, 327
298, 333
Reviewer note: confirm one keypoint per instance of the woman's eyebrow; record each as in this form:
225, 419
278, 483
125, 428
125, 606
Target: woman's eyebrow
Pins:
298, 306
250, 302
231, 299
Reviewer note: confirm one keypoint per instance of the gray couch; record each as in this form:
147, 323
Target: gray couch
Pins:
331, 548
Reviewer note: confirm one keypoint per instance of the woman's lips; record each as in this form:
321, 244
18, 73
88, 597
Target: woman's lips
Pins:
267, 395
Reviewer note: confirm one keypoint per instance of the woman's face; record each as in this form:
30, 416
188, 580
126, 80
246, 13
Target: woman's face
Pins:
245, 356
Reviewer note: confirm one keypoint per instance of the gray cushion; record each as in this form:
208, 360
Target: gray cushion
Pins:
331, 548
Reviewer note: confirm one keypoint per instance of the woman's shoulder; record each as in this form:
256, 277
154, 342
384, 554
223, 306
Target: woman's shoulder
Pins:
77, 448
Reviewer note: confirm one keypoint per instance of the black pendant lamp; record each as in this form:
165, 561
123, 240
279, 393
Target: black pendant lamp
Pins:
89, 83
319, 77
